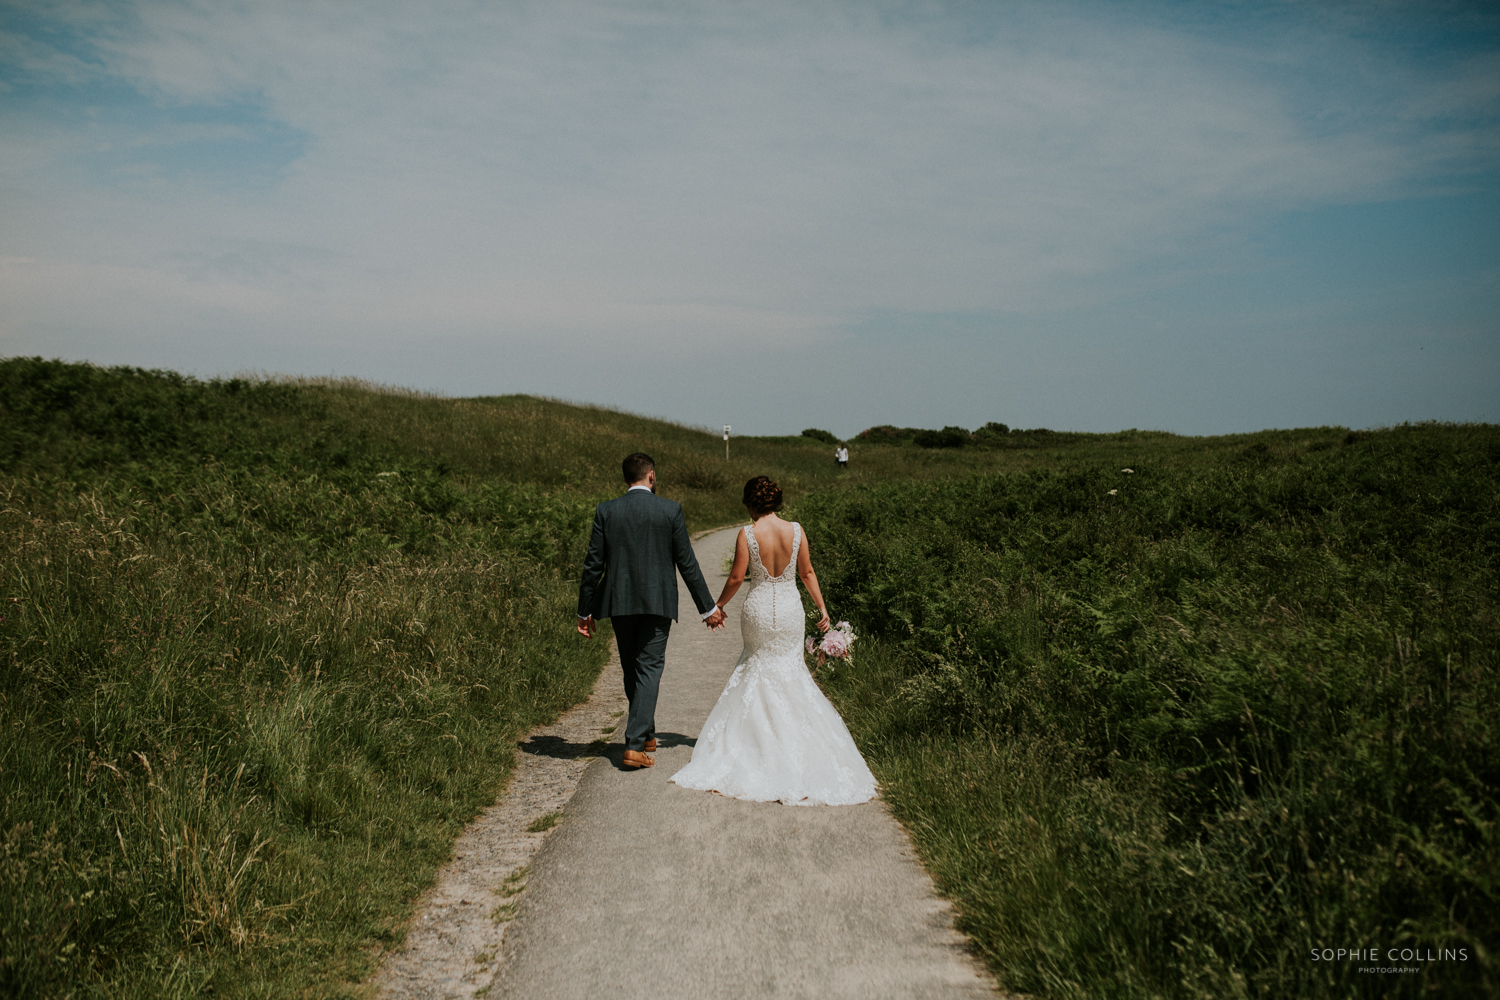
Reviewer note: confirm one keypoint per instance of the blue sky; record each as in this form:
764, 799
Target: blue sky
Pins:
1199, 217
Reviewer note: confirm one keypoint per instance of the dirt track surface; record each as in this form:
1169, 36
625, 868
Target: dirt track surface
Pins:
647, 890
452, 946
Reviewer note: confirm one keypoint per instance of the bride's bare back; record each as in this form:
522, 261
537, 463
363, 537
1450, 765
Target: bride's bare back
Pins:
774, 537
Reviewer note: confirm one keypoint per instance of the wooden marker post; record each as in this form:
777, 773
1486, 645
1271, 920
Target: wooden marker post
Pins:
726, 442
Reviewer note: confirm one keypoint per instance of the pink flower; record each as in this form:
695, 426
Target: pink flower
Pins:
812, 645
835, 644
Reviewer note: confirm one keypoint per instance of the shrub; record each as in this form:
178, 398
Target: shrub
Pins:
700, 475
826, 437
948, 437
886, 434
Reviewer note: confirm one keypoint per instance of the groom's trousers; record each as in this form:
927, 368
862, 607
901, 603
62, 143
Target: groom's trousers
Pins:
643, 654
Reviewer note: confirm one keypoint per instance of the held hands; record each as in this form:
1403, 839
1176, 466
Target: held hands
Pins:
586, 627
715, 621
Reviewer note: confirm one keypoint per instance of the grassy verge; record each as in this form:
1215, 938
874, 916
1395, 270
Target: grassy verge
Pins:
253, 681
1166, 733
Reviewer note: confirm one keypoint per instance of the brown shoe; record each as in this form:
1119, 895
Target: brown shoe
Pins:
650, 746
635, 759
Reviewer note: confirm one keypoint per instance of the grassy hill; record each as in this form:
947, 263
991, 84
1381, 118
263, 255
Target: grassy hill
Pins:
267, 645
260, 665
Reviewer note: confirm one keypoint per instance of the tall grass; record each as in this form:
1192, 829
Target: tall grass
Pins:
257, 674
266, 645
557, 445
1165, 733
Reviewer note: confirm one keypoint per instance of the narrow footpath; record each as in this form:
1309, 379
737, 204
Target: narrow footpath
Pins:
645, 890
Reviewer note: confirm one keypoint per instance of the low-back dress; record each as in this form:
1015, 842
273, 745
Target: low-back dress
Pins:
773, 735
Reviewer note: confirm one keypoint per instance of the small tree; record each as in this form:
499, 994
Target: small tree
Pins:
817, 435
948, 437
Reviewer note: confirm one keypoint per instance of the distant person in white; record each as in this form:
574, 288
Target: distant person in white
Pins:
841, 455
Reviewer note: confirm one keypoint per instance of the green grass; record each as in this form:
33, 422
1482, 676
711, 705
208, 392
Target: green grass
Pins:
267, 646
560, 446
544, 823
515, 882
1163, 733
252, 688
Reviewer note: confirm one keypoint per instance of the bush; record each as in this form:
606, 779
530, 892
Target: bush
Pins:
818, 435
948, 437
701, 475
886, 434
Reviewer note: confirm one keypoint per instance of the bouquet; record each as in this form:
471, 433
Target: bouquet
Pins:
837, 644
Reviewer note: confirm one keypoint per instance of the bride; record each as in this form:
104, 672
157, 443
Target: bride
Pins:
773, 736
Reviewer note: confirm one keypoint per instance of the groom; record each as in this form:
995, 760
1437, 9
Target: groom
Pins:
639, 543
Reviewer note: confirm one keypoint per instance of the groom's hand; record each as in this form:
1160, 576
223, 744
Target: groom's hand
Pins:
586, 627
715, 621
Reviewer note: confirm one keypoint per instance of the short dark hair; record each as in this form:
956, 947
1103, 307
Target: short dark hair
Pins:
636, 466
762, 495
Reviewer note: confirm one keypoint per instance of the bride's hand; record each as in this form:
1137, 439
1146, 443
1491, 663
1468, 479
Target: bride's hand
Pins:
823, 623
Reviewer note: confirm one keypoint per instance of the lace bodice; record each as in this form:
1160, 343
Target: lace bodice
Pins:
772, 618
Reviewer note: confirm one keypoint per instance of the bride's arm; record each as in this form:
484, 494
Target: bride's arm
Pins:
737, 571
810, 581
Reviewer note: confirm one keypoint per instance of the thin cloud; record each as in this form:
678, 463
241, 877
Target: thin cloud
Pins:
649, 173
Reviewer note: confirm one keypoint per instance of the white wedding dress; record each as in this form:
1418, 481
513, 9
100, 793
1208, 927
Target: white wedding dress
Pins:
774, 736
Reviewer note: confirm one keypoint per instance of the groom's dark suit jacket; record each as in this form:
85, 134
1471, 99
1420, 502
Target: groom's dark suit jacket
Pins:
639, 543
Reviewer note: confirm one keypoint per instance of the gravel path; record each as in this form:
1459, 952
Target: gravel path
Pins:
647, 890
453, 943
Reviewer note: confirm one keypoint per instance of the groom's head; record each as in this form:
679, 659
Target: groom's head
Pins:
637, 468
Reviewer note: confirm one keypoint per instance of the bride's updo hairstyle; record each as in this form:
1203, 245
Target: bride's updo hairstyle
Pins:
762, 495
